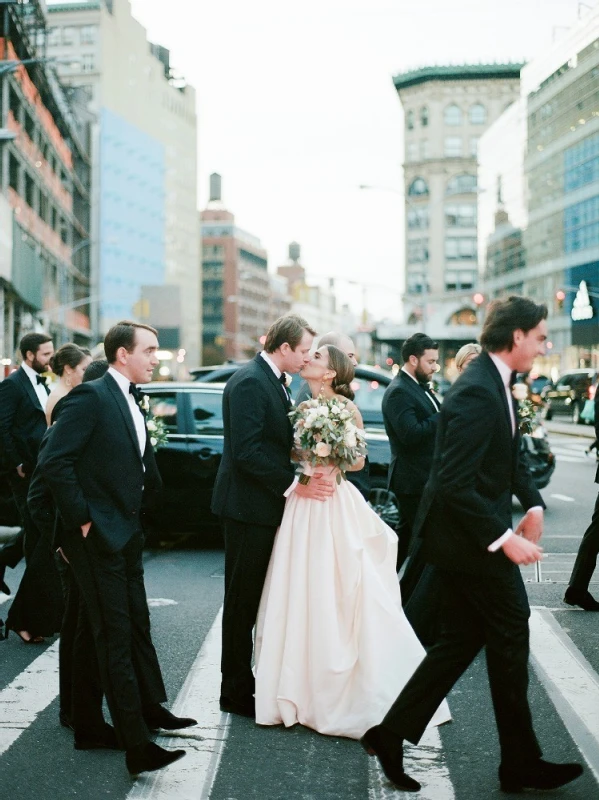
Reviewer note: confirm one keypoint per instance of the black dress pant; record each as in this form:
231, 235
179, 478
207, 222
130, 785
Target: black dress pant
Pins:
477, 611
247, 553
113, 593
12, 552
408, 507
586, 559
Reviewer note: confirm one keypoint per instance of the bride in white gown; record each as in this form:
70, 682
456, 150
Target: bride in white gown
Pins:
333, 647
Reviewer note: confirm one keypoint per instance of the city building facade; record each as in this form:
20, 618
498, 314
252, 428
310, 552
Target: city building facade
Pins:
45, 185
236, 294
446, 111
546, 150
144, 226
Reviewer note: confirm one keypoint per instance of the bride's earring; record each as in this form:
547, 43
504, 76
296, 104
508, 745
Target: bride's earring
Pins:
68, 381
321, 391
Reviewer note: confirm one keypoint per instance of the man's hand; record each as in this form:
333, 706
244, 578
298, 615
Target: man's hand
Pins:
521, 551
531, 525
85, 529
316, 489
20, 471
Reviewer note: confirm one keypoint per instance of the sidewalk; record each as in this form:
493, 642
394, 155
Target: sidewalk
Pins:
585, 431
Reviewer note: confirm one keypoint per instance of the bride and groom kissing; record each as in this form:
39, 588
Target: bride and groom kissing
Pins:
313, 568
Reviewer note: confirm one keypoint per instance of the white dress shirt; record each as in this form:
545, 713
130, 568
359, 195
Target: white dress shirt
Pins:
505, 372
136, 412
38, 388
278, 373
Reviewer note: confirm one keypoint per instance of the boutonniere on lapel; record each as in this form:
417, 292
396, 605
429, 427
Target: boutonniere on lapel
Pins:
144, 404
527, 416
157, 431
288, 379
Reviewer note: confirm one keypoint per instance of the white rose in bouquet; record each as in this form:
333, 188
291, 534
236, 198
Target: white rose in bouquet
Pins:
520, 391
350, 437
322, 449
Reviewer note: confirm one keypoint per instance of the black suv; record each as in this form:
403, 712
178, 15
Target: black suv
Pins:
570, 393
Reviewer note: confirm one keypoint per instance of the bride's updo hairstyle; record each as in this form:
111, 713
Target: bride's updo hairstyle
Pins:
70, 355
344, 372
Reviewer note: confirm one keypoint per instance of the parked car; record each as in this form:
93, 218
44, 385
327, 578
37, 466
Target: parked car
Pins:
567, 397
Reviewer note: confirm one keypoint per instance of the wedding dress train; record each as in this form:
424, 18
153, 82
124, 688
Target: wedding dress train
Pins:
333, 646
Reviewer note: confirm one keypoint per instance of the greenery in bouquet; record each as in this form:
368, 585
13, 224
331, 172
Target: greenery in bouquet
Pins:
527, 413
325, 434
157, 431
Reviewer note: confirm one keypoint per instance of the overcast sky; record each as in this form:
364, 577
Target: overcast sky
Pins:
297, 108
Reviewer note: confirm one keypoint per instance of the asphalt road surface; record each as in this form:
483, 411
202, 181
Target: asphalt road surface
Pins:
230, 758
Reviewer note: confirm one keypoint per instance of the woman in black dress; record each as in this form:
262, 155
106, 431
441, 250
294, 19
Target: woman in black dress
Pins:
38, 606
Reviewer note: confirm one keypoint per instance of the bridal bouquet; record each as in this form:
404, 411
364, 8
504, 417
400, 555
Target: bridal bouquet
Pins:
325, 434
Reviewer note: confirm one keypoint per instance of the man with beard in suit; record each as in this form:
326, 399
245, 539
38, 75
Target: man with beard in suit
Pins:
577, 593
100, 467
254, 478
23, 397
411, 414
466, 519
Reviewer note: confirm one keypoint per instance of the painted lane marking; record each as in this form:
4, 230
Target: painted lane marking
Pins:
157, 602
192, 777
570, 682
563, 497
425, 763
27, 696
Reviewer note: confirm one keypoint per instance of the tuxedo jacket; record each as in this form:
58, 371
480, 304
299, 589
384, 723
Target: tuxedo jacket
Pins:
255, 470
22, 422
411, 424
93, 466
467, 502
597, 426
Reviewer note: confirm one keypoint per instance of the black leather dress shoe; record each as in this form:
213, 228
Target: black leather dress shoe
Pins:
159, 717
389, 751
65, 720
149, 757
3, 587
104, 739
245, 707
538, 775
584, 599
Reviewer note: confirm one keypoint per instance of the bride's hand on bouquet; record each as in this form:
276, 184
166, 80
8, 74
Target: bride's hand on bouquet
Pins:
316, 489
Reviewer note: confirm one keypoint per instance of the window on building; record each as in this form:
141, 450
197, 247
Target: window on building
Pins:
410, 120
424, 149
416, 282
465, 316
462, 215
13, 173
424, 116
418, 187
417, 218
460, 248
417, 251
412, 151
30, 191
453, 146
54, 36
474, 146
88, 62
478, 114
88, 34
461, 184
69, 35
453, 115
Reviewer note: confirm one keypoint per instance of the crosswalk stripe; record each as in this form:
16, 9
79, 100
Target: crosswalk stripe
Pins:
27, 696
570, 682
192, 778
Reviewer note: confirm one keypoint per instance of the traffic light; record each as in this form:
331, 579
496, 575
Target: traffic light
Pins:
560, 296
478, 299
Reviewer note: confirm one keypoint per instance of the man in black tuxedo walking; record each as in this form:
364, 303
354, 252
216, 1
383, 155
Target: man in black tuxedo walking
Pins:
101, 470
254, 478
411, 414
23, 396
466, 522
577, 593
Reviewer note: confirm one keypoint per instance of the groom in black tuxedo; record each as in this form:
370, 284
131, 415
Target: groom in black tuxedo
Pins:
466, 521
23, 396
100, 467
254, 478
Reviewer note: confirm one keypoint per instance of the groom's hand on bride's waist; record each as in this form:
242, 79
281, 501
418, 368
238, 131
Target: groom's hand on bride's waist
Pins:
316, 488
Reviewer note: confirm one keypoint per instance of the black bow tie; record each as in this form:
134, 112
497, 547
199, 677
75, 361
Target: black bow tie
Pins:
138, 395
513, 377
283, 379
43, 381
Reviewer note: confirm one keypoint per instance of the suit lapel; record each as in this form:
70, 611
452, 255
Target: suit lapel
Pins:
276, 383
28, 386
123, 407
417, 391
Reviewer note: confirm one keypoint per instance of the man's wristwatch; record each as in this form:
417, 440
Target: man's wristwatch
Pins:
304, 479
